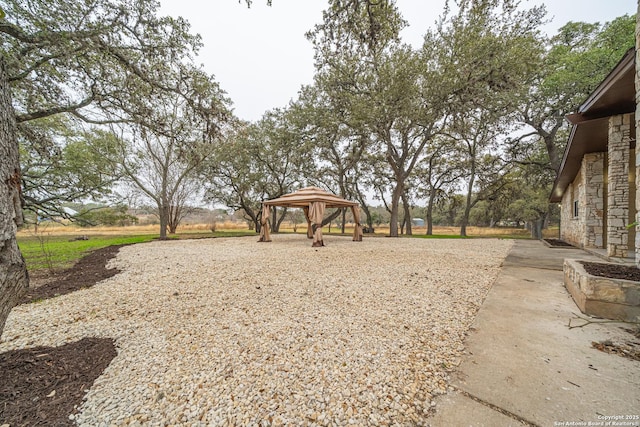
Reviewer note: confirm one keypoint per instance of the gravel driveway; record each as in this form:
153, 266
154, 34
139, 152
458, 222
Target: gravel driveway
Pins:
235, 332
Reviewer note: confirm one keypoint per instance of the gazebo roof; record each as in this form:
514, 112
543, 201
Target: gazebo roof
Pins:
304, 196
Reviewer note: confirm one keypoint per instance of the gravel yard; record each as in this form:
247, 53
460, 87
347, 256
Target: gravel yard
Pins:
235, 332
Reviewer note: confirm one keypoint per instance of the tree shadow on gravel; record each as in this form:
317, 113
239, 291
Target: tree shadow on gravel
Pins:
43, 386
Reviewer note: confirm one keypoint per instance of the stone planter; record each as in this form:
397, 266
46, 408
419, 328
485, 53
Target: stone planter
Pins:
614, 299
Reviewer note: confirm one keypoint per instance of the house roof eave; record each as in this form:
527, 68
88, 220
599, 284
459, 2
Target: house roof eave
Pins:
589, 134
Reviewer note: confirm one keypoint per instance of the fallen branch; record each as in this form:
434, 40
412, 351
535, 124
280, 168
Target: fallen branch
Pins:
588, 321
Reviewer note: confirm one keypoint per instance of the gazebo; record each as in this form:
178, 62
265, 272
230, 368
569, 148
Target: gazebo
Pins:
313, 201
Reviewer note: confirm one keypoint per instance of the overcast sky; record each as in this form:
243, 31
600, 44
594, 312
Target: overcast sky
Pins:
260, 56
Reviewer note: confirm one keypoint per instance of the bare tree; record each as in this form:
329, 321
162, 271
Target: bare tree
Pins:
181, 203
76, 58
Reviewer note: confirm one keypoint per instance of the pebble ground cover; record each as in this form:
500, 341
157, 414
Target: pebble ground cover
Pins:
235, 332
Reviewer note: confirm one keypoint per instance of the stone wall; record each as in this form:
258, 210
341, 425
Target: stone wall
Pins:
618, 186
571, 228
605, 297
593, 166
586, 229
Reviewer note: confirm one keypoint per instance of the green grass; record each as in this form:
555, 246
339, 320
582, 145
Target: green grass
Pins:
48, 251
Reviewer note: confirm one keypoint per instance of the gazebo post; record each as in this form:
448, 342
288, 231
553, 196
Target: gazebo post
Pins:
316, 213
357, 229
306, 216
264, 224
313, 201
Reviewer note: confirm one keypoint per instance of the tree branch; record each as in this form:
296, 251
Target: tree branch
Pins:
590, 322
21, 118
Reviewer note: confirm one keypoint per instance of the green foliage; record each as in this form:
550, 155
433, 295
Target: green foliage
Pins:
257, 162
449, 210
577, 59
580, 56
61, 164
380, 92
353, 30
103, 62
162, 152
235, 176
65, 55
488, 50
380, 116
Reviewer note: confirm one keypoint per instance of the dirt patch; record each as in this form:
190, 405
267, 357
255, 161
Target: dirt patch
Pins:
614, 271
88, 271
43, 386
557, 243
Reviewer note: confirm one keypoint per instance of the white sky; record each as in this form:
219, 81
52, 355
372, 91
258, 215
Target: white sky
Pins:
261, 58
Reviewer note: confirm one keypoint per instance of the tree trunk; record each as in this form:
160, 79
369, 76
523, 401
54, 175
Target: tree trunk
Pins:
174, 219
330, 218
546, 220
467, 206
465, 216
14, 279
280, 220
395, 205
276, 220
451, 215
344, 218
429, 215
163, 211
367, 213
364, 207
536, 229
255, 217
255, 220
555, 156
407, 214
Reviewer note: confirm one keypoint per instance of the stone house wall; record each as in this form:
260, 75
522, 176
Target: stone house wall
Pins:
571, 228
585, 229
618, 186
594, 203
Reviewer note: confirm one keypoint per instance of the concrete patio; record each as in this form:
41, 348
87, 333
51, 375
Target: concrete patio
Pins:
524, 366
